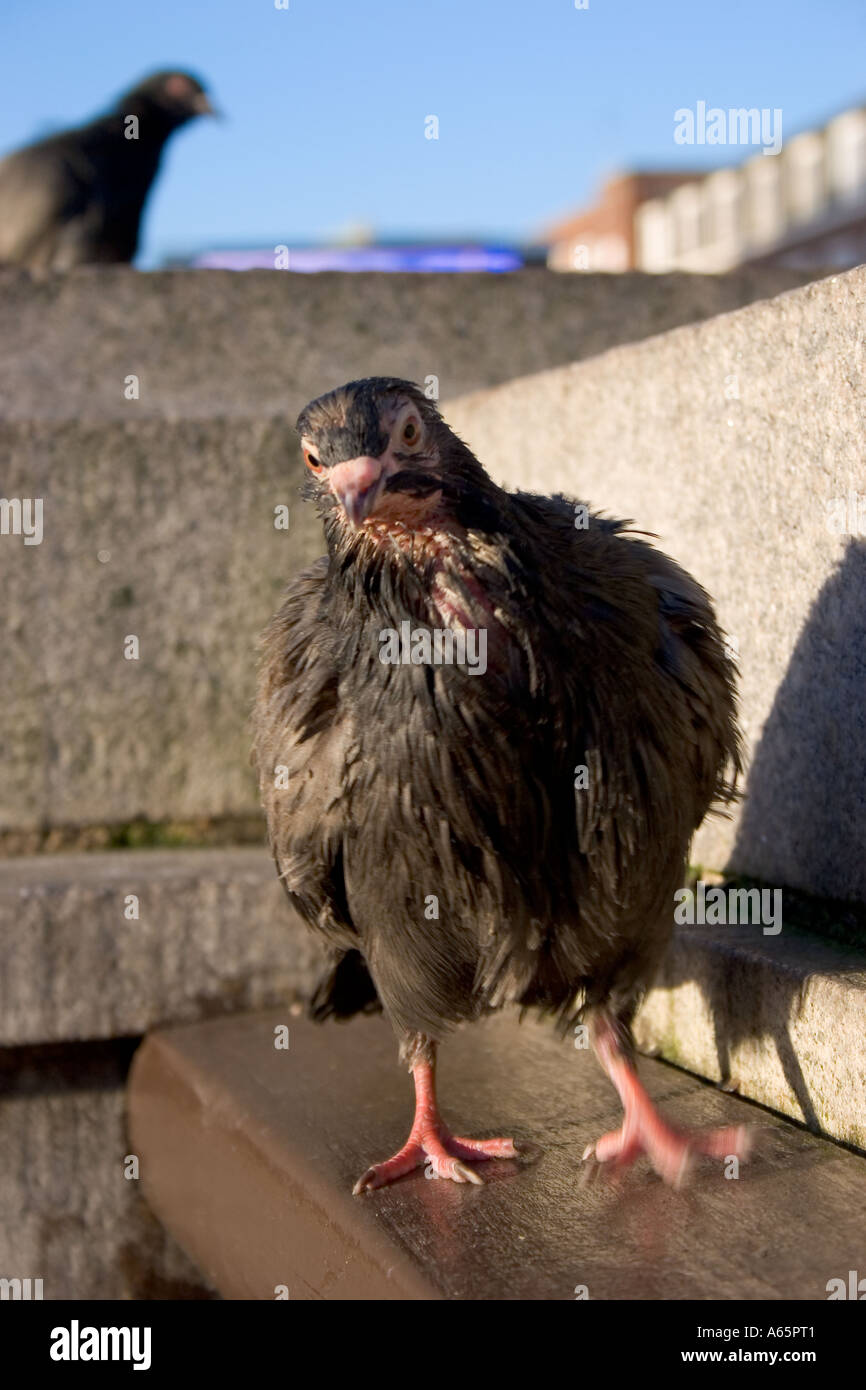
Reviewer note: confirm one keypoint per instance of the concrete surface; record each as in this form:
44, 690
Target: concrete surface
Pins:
158, 513
214, 934
778, 1019
215, 344
160, 531
68, 1214
729, 440
248, 1155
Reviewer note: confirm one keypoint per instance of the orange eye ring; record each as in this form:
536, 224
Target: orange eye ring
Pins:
411, 431
312, 462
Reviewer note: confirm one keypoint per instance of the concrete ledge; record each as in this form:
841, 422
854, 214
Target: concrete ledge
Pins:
778, 1019
729, 440
214, 934
164, 532
248, 1154
213, 344
71, 1213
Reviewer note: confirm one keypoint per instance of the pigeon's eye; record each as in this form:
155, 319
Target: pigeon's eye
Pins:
411, 432
312, 462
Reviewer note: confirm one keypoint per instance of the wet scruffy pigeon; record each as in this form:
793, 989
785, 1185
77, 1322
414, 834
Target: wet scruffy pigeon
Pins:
507, 707
77, 197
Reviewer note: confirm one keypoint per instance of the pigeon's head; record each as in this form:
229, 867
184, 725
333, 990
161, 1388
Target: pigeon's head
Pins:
174, 96
378, 452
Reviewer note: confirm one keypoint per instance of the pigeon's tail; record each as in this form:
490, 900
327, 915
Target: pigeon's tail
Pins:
346, 989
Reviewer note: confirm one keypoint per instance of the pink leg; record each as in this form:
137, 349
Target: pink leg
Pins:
431, 1142
644, 1131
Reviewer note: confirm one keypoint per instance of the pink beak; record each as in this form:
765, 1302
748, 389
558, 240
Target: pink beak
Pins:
356, 484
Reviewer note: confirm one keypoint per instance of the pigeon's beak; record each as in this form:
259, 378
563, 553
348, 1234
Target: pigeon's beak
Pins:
201, 104
356, 484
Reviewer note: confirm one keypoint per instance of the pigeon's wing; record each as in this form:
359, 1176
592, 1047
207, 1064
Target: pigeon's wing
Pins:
640, 696
693, 653
301, 743
40, 195
646, 640
75, 198
302, 738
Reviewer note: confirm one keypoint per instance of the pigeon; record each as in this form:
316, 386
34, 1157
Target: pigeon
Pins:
77, 198
487, 724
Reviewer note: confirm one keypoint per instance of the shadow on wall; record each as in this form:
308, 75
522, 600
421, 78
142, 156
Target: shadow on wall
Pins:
803, 825
806, 789
739, 1013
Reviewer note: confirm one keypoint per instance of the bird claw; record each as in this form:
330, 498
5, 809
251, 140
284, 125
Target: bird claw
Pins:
670, 1151
461, 1172
441, 1155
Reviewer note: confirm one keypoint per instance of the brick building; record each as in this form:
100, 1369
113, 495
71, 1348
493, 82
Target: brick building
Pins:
603, 237
803, 208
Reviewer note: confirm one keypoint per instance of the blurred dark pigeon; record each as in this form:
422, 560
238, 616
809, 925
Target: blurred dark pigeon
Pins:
76, 198
509, 825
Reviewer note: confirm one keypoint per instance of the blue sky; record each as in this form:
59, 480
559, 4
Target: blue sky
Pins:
326, 101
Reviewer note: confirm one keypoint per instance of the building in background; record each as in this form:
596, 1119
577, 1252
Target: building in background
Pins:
802, 208
603, 237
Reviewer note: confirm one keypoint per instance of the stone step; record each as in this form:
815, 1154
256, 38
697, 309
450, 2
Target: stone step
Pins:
211, 345
71, 1211
248, 1154
214, 934
780, 1018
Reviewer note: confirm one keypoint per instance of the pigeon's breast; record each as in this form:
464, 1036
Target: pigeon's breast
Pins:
460, 599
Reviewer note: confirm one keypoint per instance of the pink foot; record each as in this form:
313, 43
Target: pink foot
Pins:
670, 1151
446, 1155
431, 1143
643, 1131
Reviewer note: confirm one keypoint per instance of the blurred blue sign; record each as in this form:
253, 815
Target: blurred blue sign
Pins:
425, 259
